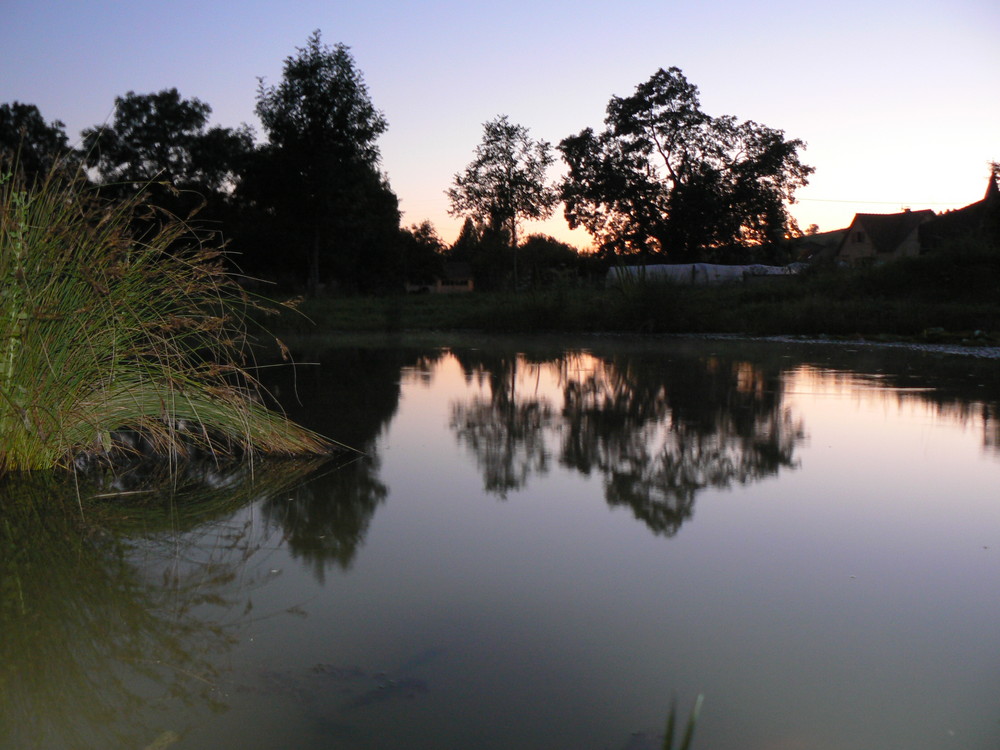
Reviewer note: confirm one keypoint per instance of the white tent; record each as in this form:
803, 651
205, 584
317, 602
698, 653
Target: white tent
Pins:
691, 273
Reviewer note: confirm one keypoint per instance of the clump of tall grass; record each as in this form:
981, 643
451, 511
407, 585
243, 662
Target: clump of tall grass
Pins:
104, 335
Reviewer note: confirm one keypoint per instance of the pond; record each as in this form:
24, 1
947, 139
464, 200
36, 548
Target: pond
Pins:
544, 543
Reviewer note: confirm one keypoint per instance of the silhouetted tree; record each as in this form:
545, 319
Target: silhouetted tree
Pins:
665, 178
467, 241
160, 144
26, 140
422, 253
161, 139
505, 183
991, 203
317, 179
488, 253
546, 259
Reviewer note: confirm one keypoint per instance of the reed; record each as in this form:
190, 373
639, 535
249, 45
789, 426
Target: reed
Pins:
688, 736
105, 334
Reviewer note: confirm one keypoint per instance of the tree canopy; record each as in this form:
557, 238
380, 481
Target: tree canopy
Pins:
318, 175
161, 137
422, 253
665, 178
506, 182
30, 142
160, 144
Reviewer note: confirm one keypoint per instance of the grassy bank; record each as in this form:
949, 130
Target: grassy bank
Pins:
949, 296
111, 343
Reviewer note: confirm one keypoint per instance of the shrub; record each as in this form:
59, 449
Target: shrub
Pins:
104, 336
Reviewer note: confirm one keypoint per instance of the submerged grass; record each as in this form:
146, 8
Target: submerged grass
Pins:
104, 334
688, 736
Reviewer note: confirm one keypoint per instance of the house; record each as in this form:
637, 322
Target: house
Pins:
981, 218
816, 247
455, 277
876, 238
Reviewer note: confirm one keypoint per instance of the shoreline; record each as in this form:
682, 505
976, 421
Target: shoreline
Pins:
978, 352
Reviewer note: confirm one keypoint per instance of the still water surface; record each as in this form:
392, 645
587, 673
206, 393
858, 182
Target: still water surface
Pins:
544, 544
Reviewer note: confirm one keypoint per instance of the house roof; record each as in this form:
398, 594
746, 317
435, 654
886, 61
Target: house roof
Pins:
821, 244
992, 189
966, 220
887, 231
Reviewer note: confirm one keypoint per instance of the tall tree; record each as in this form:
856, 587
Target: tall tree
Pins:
30, 142
667, 179
163, 138
505, 183
318, 175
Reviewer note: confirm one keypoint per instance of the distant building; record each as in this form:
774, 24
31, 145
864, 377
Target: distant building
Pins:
817, 247
876, 238
979, 219
456, 278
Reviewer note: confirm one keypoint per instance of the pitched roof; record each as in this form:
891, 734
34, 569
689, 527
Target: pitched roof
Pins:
887, 231
821, 244
971, 219
992, 189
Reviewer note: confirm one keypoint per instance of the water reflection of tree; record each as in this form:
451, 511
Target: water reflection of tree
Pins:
507, 440
113, 616
326, 518
658, 429
351, 394
506, 431
991, 427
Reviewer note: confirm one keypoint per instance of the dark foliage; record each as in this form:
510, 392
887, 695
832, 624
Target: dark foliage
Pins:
314, 190
666, 179
545, 260
160, 144
505, 184
422, 253
26, 140
161, 141
488, 252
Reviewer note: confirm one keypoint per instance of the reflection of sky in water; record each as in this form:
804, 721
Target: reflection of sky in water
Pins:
821, 606
842, 596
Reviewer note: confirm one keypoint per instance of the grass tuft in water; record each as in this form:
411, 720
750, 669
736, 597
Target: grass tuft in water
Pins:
104, 335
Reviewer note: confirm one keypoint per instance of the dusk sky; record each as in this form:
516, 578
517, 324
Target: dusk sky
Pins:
899, 102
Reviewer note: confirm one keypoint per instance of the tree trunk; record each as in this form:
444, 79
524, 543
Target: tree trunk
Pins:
513, 242
313, 280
